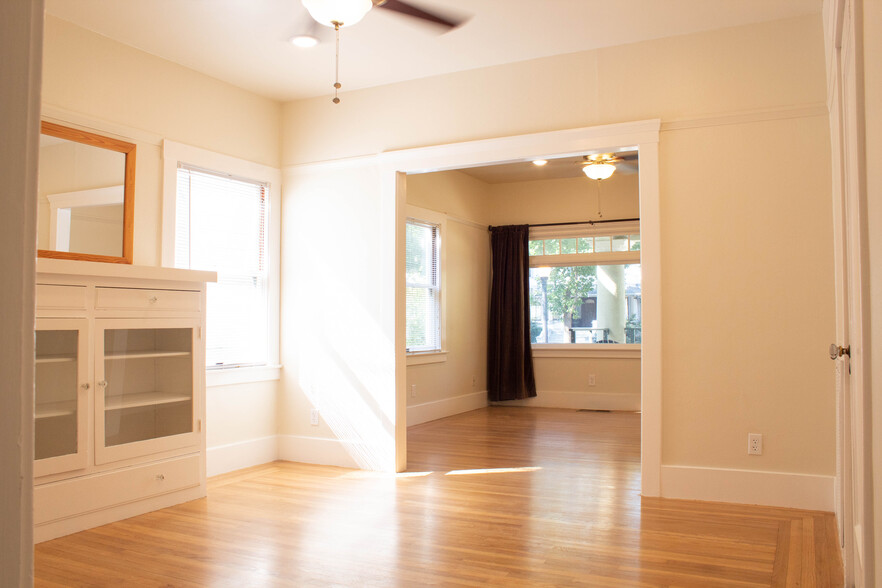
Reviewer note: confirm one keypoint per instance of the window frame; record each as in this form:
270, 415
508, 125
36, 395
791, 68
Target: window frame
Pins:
603, 350
177, 153
438, 219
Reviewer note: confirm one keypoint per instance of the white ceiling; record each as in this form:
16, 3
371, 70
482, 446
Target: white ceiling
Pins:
245, 42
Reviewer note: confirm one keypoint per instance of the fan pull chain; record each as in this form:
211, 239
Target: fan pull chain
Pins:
599, 214
337, 64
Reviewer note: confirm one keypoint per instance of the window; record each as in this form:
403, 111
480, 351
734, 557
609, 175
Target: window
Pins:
585, 285
220, 225
221, 213
424, 282
422, 270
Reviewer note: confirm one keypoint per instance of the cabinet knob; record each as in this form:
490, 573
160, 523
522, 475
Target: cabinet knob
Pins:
160, 477
102, 383
85, 386
153, 300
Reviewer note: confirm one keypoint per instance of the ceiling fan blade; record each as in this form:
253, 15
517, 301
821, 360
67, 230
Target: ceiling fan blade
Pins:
410, 10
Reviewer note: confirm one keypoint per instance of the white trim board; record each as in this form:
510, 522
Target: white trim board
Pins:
438, 409
579, 400
805, 491
316, 450
242, 454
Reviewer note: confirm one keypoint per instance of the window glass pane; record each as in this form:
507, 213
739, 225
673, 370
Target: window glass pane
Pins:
552, 246
220, 225
568, 246
601, 245
422, 296
635, 242
620, 243
536, 247
586, 245
585, 304
419, 254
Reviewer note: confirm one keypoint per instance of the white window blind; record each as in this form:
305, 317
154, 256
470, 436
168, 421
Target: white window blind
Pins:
423, 296
220, 225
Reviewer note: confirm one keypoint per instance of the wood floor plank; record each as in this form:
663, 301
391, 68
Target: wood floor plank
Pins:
503, 496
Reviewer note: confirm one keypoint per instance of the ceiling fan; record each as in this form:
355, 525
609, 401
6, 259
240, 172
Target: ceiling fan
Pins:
342, 13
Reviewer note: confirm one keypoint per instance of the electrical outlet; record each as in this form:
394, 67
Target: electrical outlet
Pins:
754, 444
413, 390
314, 417
592, 381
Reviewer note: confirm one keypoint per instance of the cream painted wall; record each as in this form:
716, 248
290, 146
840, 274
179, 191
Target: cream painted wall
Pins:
467, 276
91, 81
872, 12
337, 311
564, 200
747, 303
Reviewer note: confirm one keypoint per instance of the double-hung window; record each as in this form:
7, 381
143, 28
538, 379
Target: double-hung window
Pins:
423, 281
220, 215
585, 284
221, 226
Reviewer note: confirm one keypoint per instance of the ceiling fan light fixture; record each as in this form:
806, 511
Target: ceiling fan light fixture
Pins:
337, 12
304, 41
540, 162
599, 171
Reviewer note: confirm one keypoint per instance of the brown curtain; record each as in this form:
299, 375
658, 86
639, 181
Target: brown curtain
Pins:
509, 358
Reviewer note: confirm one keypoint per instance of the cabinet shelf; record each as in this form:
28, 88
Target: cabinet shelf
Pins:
55, 358
55, 409
145, 355
143, 399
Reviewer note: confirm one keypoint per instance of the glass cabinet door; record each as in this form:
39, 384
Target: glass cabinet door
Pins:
61, 391
146, 389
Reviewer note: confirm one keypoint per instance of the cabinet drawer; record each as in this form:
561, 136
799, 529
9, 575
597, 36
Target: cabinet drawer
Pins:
52, 297
137, 299
67, 498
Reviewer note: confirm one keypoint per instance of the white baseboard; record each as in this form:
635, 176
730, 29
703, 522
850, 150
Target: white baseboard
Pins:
316, 450
806, 491
438, 409
579, 400
243, 454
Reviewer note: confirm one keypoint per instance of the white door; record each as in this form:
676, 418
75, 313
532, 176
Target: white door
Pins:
851, 295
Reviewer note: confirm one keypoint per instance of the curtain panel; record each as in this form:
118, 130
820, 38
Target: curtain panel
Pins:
509, 357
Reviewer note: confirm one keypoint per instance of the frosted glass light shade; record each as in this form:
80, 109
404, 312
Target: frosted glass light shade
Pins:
346, 12
599, 171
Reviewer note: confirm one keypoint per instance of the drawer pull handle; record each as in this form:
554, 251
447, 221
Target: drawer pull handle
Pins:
160, 477
154, 300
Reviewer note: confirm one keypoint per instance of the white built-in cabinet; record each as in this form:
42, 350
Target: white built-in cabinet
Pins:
120, 392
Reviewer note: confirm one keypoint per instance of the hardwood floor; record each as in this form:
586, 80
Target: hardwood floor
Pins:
495, 497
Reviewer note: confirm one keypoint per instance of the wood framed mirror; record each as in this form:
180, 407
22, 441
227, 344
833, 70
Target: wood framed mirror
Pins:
86, 196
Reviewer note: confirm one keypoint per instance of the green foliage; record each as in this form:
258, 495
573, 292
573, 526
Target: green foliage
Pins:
566, 288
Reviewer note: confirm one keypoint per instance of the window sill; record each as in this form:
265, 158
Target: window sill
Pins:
578, 350
242, 375
426, 357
